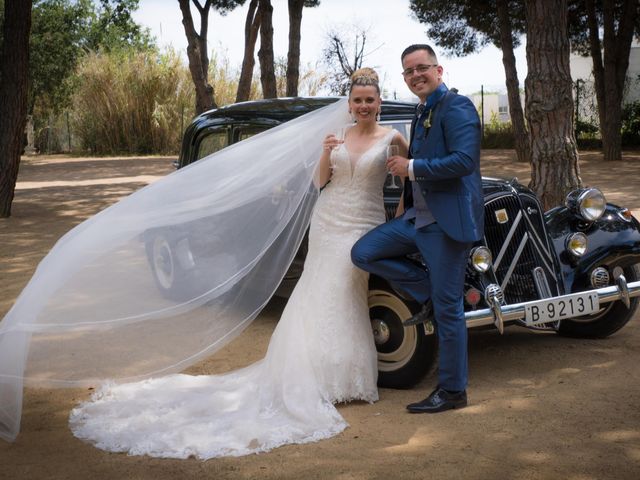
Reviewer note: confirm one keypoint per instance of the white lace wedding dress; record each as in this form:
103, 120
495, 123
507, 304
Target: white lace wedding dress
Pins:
321, 353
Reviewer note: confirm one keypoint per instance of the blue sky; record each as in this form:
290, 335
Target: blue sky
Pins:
390, 28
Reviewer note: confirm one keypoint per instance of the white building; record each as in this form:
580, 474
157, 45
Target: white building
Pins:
492, 105
582, 71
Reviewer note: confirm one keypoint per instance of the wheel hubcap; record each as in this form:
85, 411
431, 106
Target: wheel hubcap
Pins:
381, 332
395, 343
163, 262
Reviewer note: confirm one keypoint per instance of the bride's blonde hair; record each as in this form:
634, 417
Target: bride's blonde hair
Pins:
365, 77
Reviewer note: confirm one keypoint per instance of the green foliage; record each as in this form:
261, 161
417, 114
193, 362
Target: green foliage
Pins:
586, 129
461, 27
132, 102
141, 102
587, 135
225, 6
62, 33
500, 135
112, 27
631, 125
579, 27
497, 134
97, 82
57, 34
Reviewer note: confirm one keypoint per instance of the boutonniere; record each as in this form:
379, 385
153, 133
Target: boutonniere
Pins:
427, 122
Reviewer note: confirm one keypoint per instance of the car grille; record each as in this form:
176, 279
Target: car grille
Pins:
514, 232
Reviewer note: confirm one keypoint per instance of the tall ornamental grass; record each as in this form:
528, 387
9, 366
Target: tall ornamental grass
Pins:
132, 102
141, 102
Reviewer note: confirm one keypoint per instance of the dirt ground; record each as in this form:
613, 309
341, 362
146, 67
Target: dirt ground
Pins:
541, 406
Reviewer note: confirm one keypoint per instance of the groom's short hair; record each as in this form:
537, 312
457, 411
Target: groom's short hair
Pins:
418, 46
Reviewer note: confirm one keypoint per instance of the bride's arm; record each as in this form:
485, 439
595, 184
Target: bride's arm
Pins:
401, 142
324, 167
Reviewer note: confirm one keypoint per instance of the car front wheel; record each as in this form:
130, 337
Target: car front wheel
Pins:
609, 319
405, 354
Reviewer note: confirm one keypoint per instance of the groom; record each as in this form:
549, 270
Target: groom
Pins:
443, 216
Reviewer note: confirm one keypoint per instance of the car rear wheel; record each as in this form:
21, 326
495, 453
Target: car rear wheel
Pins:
608, 320
170, 260
405, 354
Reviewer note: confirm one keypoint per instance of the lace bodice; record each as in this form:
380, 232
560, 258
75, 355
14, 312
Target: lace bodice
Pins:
353, 199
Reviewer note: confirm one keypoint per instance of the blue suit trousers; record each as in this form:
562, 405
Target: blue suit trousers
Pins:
383, 251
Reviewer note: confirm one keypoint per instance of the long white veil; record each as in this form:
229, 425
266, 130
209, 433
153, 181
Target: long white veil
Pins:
169, 274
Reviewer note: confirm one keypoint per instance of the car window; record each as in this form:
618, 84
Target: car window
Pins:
212, 142
403, 126
246, 132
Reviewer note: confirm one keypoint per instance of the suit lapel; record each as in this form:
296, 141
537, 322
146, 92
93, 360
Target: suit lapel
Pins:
435, 111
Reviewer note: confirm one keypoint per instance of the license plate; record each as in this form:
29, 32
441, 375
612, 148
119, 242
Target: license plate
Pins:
552, 310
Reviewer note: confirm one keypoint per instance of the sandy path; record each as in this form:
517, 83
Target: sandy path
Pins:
542, 406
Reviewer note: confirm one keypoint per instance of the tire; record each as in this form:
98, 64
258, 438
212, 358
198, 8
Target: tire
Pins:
611, 317
405, 354
169, 260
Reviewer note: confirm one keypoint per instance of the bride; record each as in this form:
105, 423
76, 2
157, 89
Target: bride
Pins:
321, 353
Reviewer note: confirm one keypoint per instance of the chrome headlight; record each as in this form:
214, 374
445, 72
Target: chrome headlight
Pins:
577, 244
481, 259
588, 203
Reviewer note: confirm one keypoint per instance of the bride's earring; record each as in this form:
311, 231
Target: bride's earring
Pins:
353, 117
378, 116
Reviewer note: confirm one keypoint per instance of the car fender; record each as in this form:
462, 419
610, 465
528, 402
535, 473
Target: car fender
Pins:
611, 241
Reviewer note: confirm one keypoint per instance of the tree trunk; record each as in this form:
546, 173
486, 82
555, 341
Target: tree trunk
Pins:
520, 134
197, 55
14, 72
293, 56
549, 103
251, 27
596, 57
265, 54
610, 74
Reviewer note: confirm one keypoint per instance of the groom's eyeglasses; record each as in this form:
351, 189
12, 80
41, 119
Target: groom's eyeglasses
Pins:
420, 69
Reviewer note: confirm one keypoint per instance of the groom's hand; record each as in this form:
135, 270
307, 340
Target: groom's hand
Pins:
398, 166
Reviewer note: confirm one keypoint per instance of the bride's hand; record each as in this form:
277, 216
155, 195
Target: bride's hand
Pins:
330, 142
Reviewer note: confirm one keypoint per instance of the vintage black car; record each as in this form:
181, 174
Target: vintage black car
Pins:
573, 270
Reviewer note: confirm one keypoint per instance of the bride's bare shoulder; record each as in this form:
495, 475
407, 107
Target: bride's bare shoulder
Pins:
383, 131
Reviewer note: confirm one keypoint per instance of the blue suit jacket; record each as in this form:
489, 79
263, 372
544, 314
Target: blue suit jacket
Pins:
446, 165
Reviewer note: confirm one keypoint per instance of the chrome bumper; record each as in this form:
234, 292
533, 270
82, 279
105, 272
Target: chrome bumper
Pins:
500, 314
